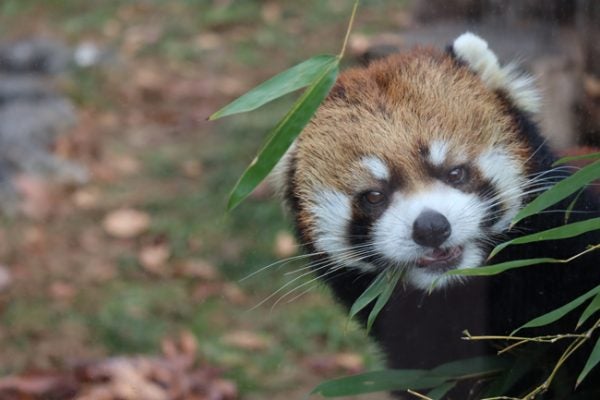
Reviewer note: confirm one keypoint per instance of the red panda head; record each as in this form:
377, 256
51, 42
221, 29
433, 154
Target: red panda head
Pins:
414, 162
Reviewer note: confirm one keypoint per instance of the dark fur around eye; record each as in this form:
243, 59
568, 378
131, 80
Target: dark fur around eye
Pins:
457, 175
373, 200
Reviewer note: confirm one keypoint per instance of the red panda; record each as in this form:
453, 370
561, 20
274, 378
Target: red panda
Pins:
419, 161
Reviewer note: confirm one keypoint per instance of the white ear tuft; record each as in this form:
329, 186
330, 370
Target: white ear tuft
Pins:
474, 51
278, 178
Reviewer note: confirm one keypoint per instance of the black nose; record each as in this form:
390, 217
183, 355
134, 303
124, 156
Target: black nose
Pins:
431, 229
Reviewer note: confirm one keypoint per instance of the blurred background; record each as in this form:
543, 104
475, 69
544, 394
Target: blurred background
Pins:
121, 275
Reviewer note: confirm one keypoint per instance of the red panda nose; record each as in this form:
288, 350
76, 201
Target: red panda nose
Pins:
431, 229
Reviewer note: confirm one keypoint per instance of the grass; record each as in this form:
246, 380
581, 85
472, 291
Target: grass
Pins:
117, 306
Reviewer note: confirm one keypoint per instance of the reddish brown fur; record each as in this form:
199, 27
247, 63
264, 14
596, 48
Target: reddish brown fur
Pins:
390, 110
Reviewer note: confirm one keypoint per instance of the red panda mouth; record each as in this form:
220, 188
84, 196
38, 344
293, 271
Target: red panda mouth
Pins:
441, 259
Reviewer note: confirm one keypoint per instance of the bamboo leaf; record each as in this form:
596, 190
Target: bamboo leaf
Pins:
592, 361
571, 206
371, 293
288, 81
590, 310
387, 380
561, 190
382, 299
562, 232
470, 367
566, 160
519, 368
283, 135
501, 267
560, 312
439, 392
378, 381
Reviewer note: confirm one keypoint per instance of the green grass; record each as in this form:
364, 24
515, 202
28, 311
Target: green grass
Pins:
135, 310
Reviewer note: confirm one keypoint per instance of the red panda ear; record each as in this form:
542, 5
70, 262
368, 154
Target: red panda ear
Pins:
474, 52
279, 177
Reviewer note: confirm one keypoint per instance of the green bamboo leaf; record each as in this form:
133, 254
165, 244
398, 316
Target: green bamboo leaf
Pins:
562, 232
561, 190
501, 267
387, 380
472, 367
378, 381
288, 81
371, 293
382, 299
592, 361
569, 209
519, 368
590, 310
283, 135
560, 312
439, 392
566, 160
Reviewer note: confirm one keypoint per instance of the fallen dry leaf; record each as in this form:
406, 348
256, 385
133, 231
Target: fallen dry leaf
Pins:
62, 291
5, 278
350, 362
329, 364
35, 240
591, 85
206, 290
86, 199
153, 258
125, 165
285, 245
185, 346
192, 168
198, 269
126, 223
246, 340
39, 198
234, 294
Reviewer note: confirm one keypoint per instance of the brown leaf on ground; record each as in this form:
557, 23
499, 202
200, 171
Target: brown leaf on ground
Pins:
38, 386
246, 340
591, 85
192, 169
206, 290
185, 346
5, 278
330, 364
125, 165
285, 245
126, 223
198, 269
86, 198
234, 294
39, 198
35, 240
126, 378
62, 291
153, 258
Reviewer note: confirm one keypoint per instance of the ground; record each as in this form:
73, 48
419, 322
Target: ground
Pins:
146, 252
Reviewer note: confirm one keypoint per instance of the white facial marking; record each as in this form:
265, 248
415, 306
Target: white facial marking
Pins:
423, 279
438, 152
332, 211
392, 233
505, 173
376, 167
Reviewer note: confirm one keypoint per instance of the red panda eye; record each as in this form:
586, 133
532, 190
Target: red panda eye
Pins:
457, 176
374, 197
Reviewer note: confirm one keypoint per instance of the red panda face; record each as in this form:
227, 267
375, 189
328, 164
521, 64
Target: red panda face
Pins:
414, 162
